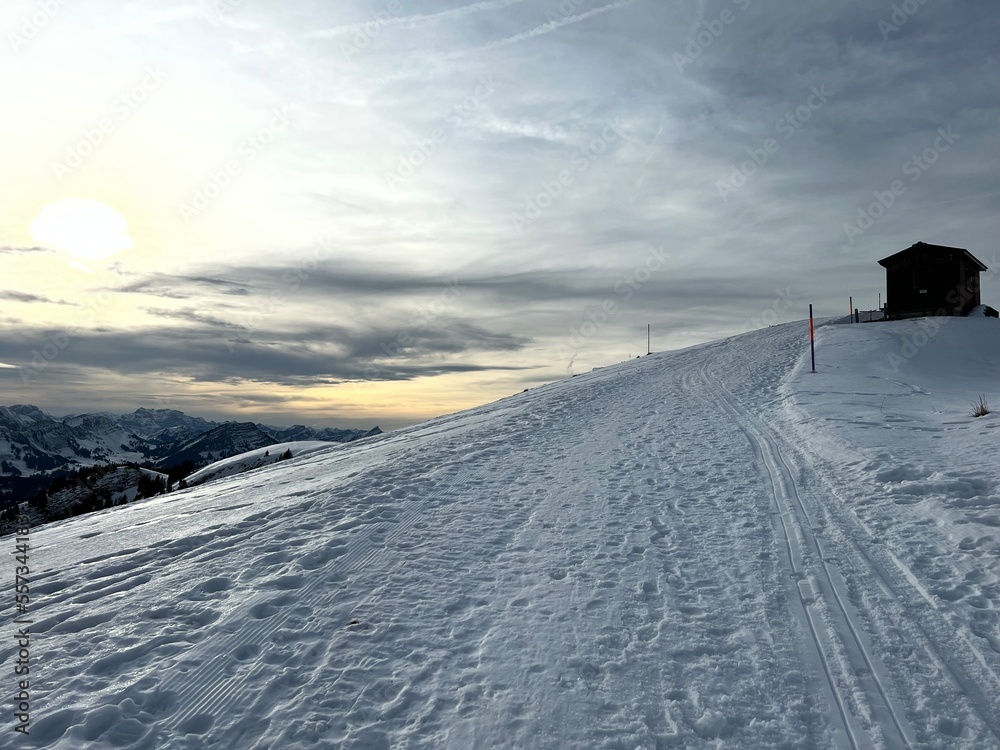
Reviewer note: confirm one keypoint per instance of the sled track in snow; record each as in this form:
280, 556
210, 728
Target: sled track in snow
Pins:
970, 677
838, 645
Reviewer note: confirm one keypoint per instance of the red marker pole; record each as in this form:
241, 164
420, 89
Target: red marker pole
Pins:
812, 337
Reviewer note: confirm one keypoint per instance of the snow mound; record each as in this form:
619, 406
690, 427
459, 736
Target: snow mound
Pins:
256, 459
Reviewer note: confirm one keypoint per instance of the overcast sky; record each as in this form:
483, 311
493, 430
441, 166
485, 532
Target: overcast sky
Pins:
361, 213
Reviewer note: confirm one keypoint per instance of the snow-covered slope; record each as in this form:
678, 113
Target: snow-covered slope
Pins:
707, 548
104, 440
301, 433
114, 485
255, 459
32, 441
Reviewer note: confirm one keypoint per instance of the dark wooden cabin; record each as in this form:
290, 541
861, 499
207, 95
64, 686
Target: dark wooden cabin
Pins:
928, 279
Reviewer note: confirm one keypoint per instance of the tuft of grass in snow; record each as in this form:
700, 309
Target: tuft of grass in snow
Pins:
980, 408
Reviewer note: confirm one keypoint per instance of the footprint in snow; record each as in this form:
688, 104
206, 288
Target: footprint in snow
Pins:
268, 608
197, 724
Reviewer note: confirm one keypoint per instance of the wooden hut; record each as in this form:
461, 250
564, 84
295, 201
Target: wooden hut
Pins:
928, 279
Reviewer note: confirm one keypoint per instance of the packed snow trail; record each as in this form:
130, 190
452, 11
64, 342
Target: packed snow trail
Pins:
839, 648
915, 633
646, 556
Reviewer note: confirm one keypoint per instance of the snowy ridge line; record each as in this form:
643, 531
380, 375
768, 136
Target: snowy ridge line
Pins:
925, 629
841, 619
793, 546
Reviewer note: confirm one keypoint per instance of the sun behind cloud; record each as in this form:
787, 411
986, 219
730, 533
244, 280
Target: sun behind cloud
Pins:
88, 229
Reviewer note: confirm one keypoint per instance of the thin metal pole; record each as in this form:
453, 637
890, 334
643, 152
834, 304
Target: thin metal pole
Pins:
648, 346
812, 337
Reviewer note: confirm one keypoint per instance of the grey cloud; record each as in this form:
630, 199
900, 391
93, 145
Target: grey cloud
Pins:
188, 315
25, 297
465, 289
309, 356
8, 250
166, 285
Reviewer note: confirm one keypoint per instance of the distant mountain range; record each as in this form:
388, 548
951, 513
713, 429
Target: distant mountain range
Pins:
36, 446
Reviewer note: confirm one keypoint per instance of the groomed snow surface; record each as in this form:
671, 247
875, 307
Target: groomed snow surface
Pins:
708, 548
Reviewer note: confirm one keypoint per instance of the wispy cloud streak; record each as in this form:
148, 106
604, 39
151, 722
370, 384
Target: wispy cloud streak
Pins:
548, 28
416, 20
